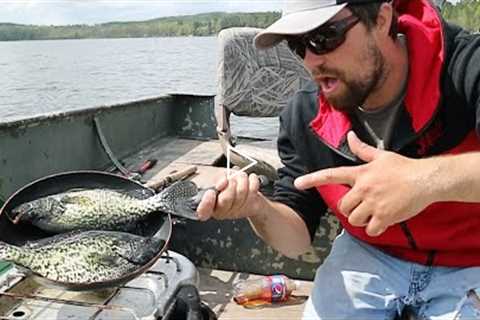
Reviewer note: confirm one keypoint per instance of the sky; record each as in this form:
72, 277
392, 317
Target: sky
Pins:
63, 12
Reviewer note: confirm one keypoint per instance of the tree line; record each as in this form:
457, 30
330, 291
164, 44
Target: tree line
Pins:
465, 13
194, 25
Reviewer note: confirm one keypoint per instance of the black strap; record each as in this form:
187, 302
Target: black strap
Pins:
411, 241
408, 235
431, 257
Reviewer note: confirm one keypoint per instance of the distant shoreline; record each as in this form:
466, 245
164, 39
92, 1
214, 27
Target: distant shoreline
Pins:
106, 38
206, 24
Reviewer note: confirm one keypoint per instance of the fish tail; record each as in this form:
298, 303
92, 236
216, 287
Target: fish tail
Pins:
177, 199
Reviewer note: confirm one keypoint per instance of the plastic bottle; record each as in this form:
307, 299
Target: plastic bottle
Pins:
267, 289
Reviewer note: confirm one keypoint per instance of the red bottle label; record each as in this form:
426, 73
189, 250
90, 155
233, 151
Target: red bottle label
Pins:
278, 288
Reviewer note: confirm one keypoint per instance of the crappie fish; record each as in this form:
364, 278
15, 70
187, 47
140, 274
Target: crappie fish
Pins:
104, 209
84, 257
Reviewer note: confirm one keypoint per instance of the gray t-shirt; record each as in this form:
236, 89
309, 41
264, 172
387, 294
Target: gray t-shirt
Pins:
379, 123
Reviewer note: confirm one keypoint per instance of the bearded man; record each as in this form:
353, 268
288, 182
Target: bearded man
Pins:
387, 138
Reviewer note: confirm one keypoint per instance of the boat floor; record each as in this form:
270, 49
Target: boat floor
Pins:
173, 154
176, 154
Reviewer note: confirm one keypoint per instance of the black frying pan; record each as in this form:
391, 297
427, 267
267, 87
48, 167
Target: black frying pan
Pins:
19, 234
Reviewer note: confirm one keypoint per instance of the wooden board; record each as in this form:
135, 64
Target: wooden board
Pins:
170, 152
204, 176
205, 153
216, 291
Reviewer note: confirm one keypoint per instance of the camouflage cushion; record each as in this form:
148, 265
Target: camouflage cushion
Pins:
255, 83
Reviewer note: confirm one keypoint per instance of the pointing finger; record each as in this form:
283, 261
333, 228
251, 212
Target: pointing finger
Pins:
340, 175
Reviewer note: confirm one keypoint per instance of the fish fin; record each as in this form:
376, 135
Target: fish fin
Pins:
186, 208
78, 200
52, 240
110, 261
136, 260
150, 248
73, 190
177, 199
182, 188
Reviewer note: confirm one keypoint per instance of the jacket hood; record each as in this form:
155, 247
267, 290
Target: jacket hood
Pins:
422, 25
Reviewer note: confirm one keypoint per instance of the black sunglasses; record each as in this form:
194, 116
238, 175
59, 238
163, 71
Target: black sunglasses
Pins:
324, 39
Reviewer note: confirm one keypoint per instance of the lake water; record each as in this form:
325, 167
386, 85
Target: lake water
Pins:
39, 77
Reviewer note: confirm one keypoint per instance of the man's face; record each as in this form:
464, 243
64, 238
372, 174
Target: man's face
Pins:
351, 72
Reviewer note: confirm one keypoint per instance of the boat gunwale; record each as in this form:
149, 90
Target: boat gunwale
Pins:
86, 111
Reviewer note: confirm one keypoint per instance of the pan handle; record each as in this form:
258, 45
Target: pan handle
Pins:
159, 183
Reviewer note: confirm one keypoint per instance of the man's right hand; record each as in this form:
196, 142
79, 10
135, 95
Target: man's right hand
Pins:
234, 198
239, 197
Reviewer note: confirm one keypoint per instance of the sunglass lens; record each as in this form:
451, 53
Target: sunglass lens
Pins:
321, 44
297, 47
326, 38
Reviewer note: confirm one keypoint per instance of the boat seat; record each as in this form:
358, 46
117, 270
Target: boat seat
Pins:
253, 83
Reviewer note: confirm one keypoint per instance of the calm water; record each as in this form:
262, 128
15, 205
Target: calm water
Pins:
44, 76
39, 77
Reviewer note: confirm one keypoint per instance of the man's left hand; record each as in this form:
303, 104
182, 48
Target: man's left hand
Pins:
387, 189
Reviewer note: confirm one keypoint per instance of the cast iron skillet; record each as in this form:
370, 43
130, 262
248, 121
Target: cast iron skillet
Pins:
21, 233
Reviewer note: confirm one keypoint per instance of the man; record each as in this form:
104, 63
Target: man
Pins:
387, 138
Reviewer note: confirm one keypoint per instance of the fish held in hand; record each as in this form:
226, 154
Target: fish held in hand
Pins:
105, 209
84, 257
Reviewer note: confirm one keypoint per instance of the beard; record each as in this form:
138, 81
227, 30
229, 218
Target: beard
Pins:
357, 90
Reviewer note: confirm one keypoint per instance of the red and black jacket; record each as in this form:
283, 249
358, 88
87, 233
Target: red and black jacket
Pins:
441, 116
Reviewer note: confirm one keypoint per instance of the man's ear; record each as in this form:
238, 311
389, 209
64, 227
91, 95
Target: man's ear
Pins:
384, 18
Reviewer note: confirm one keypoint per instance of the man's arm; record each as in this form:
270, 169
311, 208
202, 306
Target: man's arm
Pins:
454, 177
282, 228
277, 224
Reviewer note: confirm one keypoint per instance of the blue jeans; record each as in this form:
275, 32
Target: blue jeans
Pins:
358, 281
